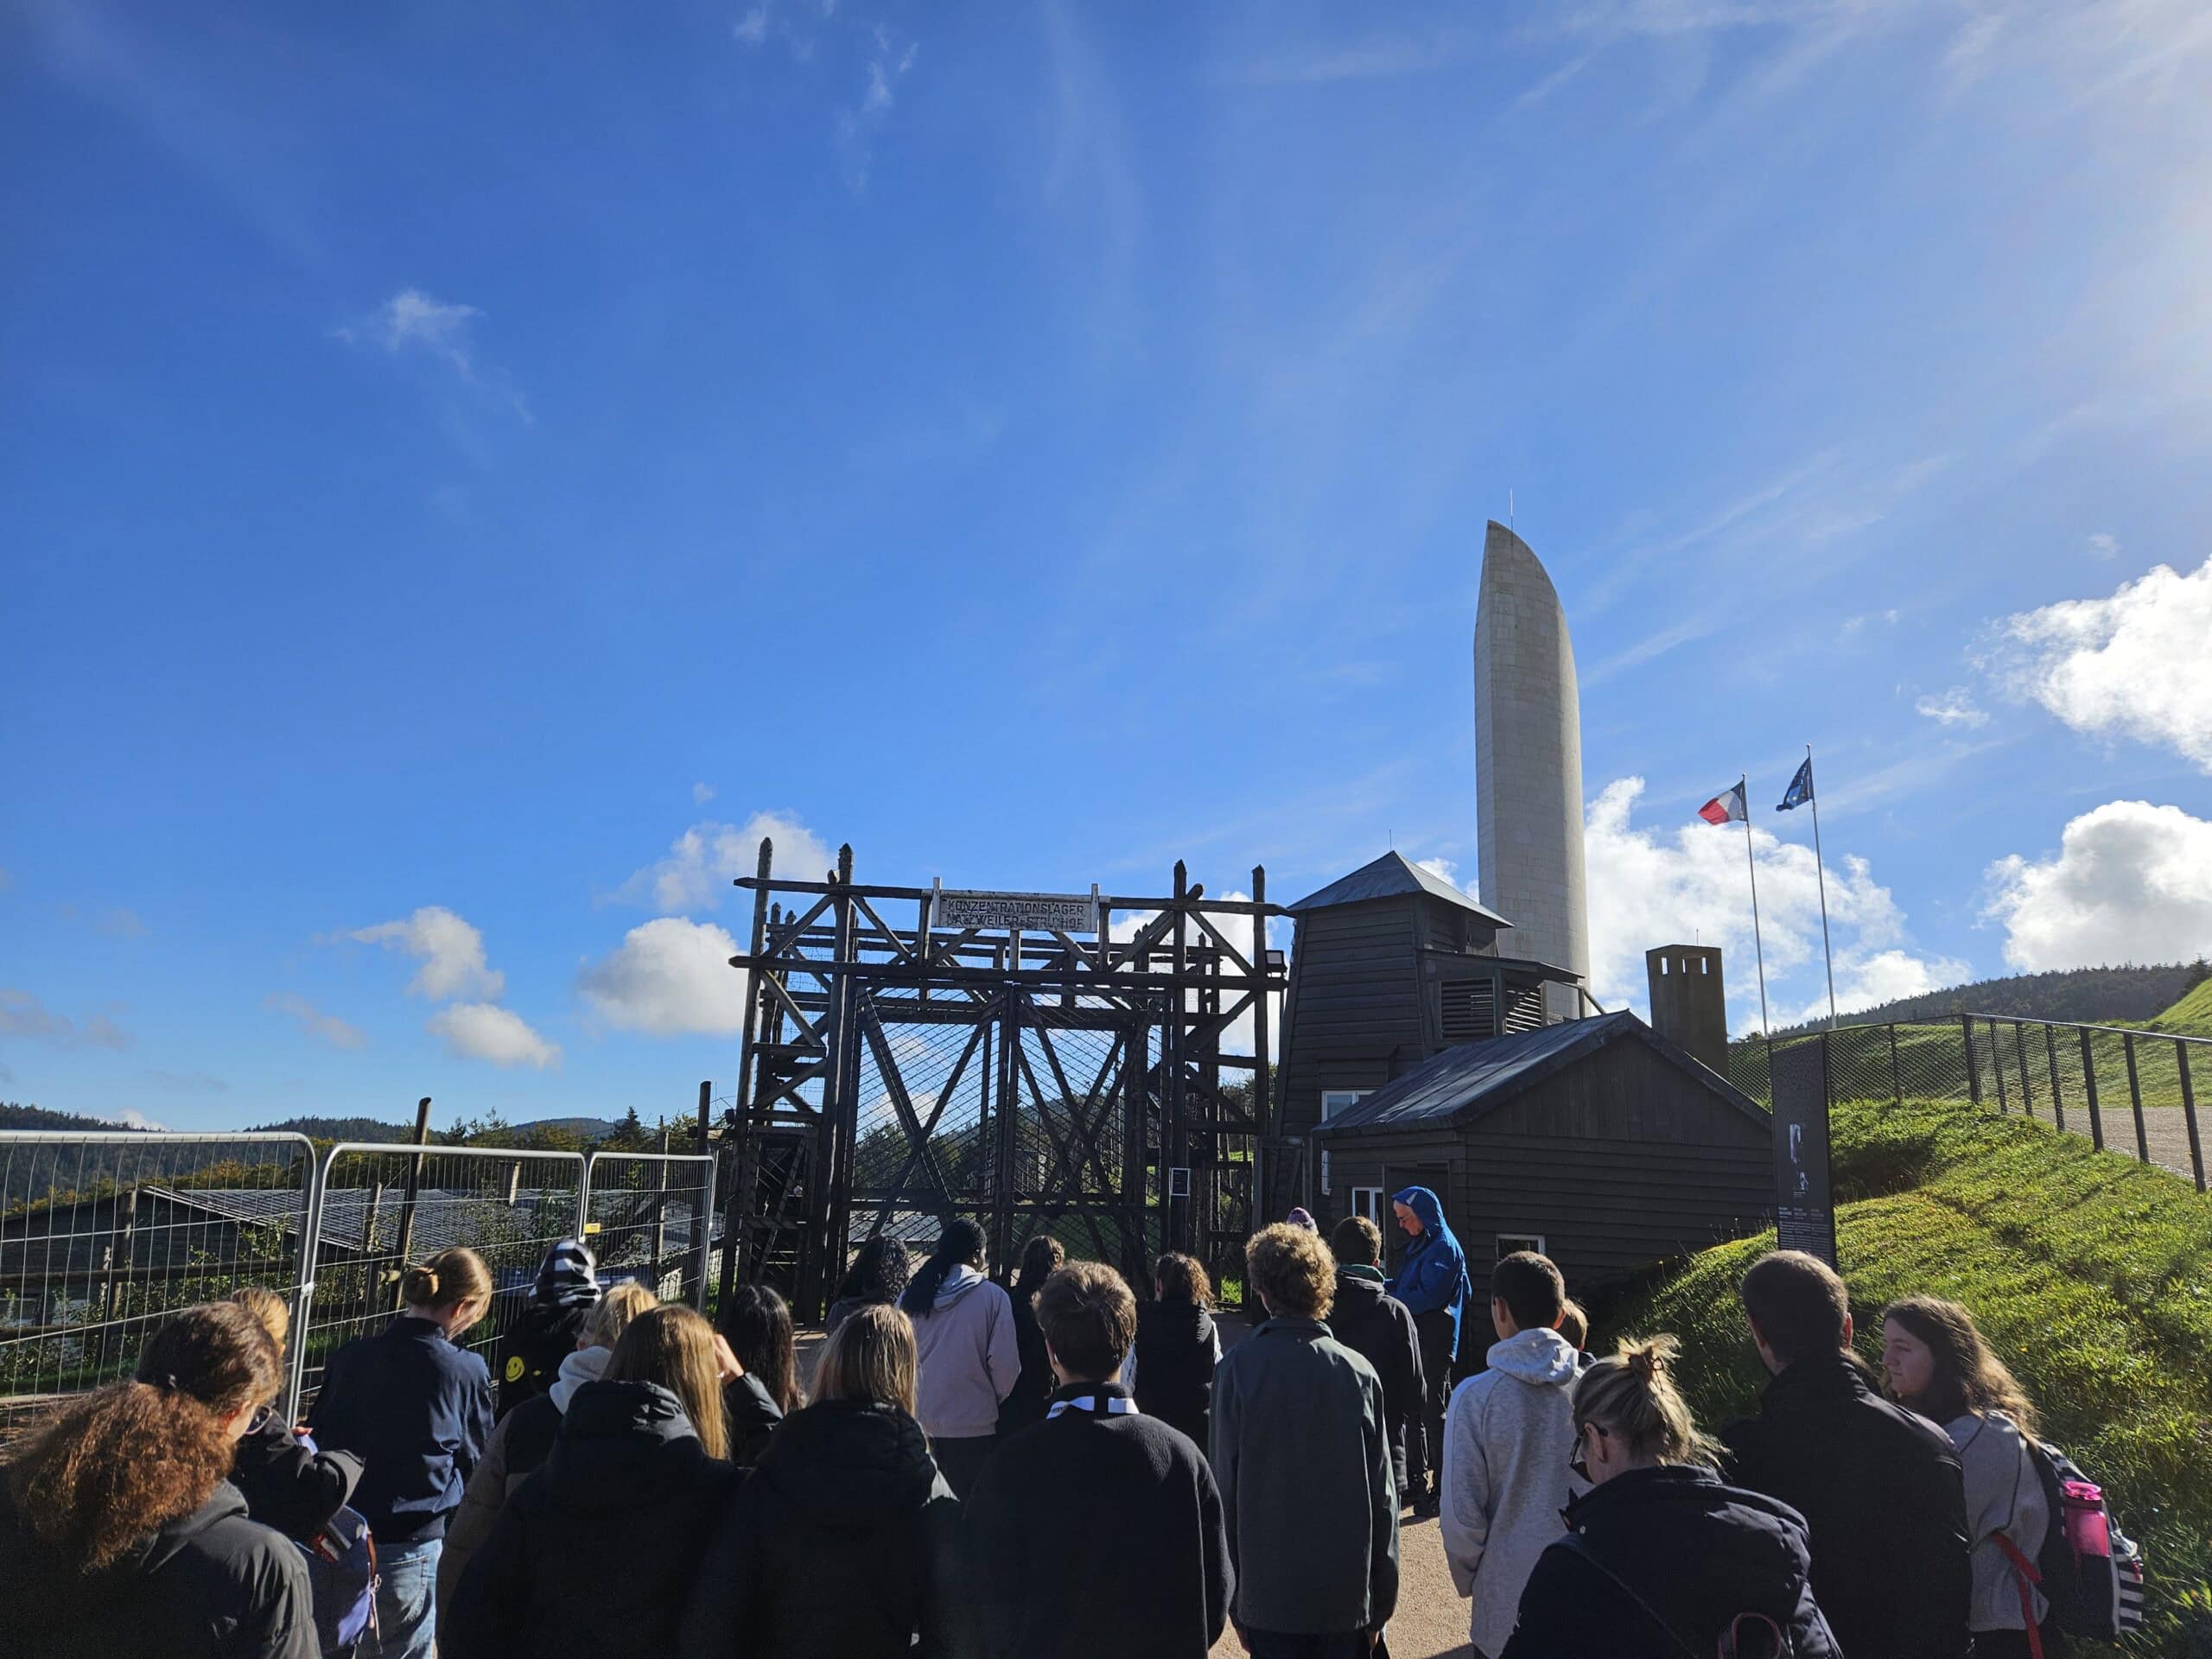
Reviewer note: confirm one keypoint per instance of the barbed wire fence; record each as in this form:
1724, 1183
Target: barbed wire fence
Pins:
2124, 1089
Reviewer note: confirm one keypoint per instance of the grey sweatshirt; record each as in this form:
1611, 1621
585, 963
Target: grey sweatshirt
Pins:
1507, 1439
2004, 1494
970, 1355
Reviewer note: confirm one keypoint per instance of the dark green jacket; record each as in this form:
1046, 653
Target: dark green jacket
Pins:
1301, 1454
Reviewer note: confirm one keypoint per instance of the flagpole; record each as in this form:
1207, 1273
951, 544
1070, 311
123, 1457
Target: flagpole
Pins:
1820, 869
1752, 864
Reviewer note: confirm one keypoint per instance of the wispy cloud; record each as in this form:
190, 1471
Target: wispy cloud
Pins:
413, 322
338, 1032
21, 1014
858, 125
1953, 707
186, 1083
2103, 544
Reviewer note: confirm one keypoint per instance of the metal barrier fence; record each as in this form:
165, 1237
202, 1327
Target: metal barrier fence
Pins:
650, 1216
2120, 1088
103, 1234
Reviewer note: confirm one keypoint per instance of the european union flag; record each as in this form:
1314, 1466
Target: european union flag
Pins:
1800, 787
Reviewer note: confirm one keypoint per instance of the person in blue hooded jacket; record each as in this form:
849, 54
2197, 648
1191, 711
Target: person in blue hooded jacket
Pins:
1432, 1282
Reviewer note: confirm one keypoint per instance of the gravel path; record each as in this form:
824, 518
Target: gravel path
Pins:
1431, 1621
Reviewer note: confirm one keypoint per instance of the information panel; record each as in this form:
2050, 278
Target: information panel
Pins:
1804, 1214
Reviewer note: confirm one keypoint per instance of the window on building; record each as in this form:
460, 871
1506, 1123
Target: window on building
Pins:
1368, 1201
1335, 1100
1510, 1243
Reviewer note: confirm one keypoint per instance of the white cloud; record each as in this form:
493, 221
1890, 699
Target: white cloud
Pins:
22, 1014
751, 29
2104, 545
1854, 626
450, 951
705, 859
338, 1033
1649, 887
484, 1031
129, 1118
1954, 708
2132, 666
701, 793
412, 320
2131, 882
670, 977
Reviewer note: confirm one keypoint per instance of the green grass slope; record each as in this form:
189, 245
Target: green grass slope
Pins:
2192, 1015
2091, 1274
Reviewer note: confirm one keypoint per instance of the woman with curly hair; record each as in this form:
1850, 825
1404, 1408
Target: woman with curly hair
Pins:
879, 1274
119, 1531
1935, 1362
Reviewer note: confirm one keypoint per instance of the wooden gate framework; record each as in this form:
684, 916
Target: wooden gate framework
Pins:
897, 1070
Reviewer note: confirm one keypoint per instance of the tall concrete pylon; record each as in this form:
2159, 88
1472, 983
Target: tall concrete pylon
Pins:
1529, 764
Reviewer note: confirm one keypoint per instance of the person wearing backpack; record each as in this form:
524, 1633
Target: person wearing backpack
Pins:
416, 1409
594, 1553
119, 1533
1660, 1560
1880, 1487
1934, 1360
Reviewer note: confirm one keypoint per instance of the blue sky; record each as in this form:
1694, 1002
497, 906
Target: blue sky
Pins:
465, 466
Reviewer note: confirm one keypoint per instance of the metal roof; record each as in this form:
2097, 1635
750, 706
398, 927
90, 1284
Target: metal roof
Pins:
1390, 877
1469, 1079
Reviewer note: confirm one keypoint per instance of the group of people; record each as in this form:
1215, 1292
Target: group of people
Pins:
1059, 1471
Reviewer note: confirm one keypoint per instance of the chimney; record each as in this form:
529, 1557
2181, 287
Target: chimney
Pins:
1687, 1008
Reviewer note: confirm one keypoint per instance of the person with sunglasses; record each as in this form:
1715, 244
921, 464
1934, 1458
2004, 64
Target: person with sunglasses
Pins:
1660, 1559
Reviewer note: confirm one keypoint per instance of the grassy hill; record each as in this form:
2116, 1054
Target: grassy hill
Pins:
2123, 994
2191, 1016
2090, 1273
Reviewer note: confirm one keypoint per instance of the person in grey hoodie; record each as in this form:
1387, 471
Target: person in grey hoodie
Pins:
969, 1350
1507, 1439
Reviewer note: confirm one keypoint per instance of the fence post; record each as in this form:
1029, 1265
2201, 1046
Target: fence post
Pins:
1896, 1080
2188, 1113
2089, 1082
702, 1217
660, 1212
2050, 1053
2027, 1085
2135, 1099
1997, 1065
407, 1203
1974, 1070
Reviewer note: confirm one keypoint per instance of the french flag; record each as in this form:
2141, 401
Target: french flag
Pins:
1727, 808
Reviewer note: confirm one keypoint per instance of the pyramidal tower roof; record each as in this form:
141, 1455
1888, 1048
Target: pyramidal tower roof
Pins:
1388, 877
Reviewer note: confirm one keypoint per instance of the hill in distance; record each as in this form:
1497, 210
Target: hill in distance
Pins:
377, 1130
2127, 995
16, 1116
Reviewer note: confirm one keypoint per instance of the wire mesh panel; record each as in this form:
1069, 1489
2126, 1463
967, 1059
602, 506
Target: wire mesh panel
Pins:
383, 1207
929, 1086
647, 1217
1076, 1126
102, 1235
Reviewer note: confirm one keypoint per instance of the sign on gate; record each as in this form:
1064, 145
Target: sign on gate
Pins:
1804, 1214
1064, 913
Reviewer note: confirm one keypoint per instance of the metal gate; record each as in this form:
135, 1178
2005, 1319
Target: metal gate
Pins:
648, 1216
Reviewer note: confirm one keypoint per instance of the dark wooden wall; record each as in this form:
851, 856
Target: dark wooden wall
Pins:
1353, 1016
1619, 1161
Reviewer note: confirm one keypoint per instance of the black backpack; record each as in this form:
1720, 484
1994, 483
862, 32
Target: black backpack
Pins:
2090, 1571
1748, 1636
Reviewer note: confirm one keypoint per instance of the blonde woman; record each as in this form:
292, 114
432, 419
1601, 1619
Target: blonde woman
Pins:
842, 1544
294, 1488
1660, 1558
594, 1553
416, 1409
523, 1438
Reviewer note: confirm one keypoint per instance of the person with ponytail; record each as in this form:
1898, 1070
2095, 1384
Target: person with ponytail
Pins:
119, 1531
1660, 1558
1935, 1362
596, 1551
290, 1486
417, 1410
971, 1353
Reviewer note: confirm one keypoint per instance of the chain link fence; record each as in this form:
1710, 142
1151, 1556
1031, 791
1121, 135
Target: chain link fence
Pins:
2127, 1090
102, 1235
649, 1216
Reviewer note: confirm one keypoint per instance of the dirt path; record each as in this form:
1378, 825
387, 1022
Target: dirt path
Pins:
1432, 1620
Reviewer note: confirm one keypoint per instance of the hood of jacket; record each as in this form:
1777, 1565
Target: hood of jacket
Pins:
849, 1464
1715, 1550
1423, 1203
957, 1283
621, 1444
1540, 1356
1359, 1288
585, 1365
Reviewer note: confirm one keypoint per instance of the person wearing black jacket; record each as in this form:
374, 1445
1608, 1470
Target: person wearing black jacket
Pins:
118, 1532
1880, 1487
593, 1553
530, 1353
1376, 1326
1660, 1558
417, 1410
756, 1325
1099, 1532
1171, 1367
1041, 1259
843, 1543
287, 1484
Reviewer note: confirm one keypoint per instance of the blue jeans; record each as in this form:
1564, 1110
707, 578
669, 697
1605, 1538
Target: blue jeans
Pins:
407, 1599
